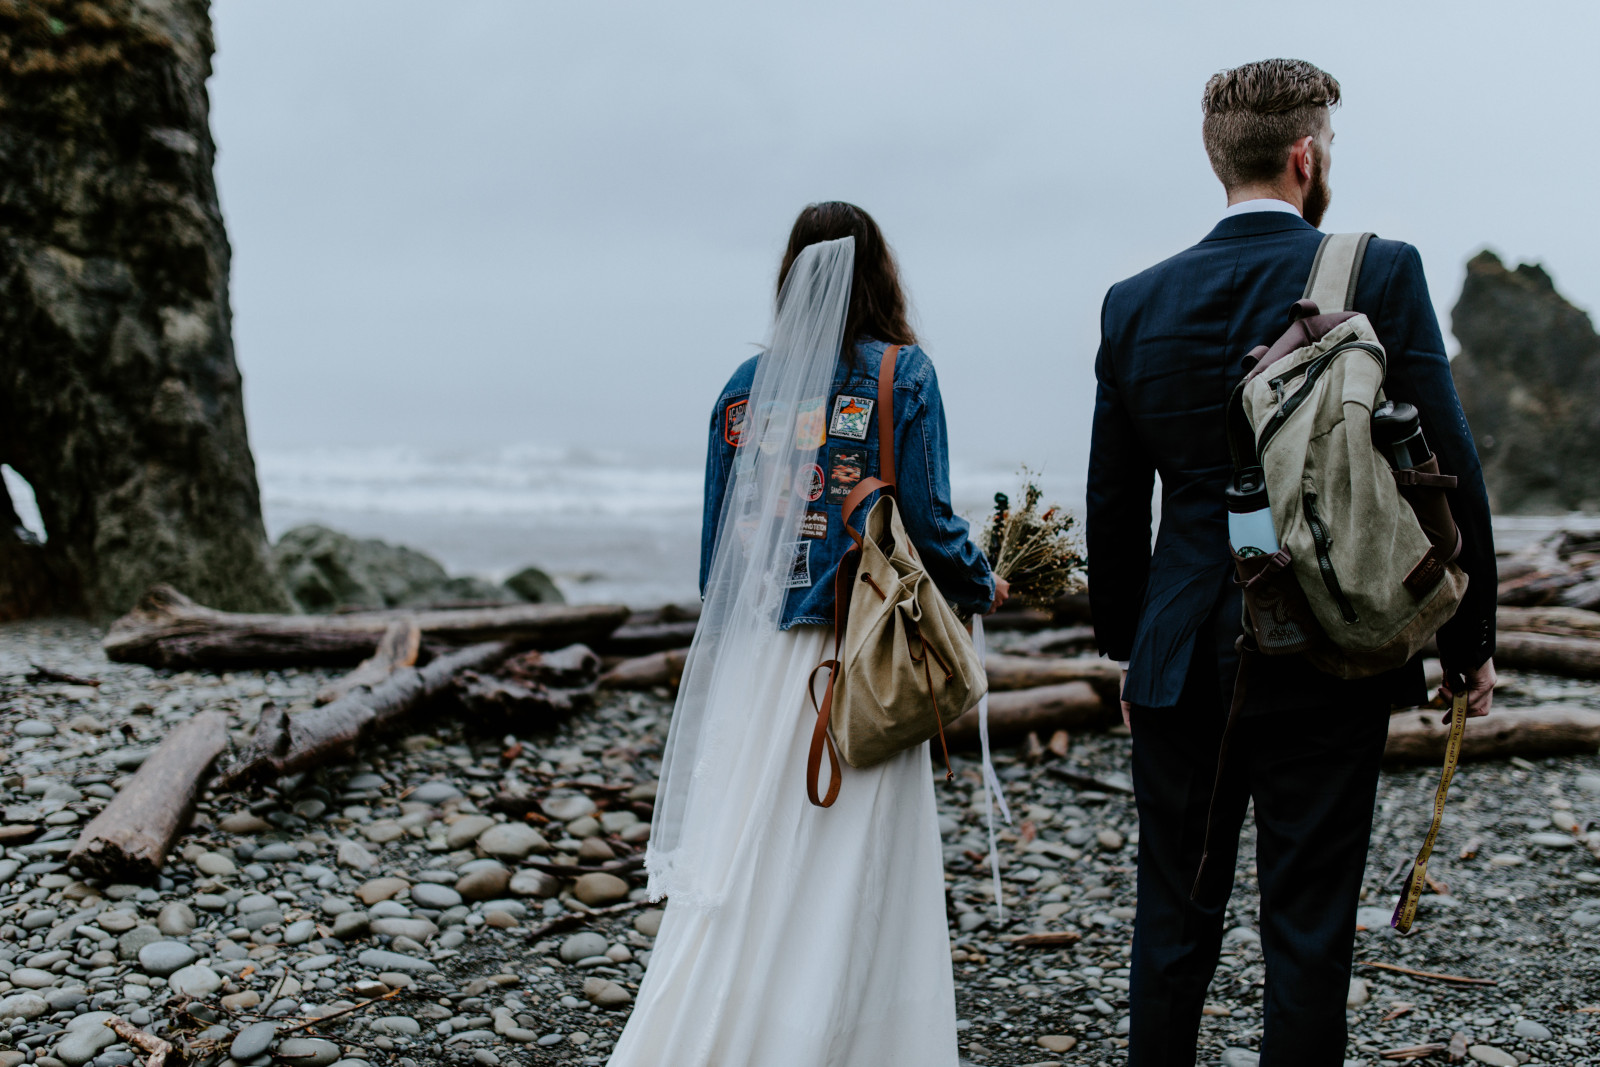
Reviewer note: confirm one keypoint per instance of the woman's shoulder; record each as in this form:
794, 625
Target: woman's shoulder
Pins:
742, 378
913, 369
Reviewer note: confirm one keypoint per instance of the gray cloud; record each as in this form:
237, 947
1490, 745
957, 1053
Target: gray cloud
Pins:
478, 223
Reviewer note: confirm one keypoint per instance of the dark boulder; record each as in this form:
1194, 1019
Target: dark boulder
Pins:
1529, 379
120, 402
535, 586
325, 570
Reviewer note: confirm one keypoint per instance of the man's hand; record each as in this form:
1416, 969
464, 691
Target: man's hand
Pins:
1002, 593
1127, 708
1479, 687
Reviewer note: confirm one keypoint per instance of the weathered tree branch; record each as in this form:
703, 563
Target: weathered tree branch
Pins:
284, 744
132, 834
167, 629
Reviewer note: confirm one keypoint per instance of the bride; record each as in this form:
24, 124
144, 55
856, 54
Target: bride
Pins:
793, 934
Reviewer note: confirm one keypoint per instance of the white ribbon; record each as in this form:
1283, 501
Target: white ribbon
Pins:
993, 795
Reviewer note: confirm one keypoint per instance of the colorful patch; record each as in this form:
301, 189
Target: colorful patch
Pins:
733, 422
811, 424
809, 483
814, 526
799, 566
851, 417
772, 422
846, 468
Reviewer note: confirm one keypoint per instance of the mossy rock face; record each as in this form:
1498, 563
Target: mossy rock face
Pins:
120, 400
535, 586
324, 570
1529, 379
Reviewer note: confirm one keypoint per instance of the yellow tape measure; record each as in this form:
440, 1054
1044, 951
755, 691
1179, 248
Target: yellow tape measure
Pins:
1405, 913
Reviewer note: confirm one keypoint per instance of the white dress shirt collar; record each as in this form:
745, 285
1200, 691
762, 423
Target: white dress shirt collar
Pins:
1245, 207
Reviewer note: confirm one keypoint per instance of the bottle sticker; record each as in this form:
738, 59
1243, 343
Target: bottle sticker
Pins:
772, 421
733, 422
846, 468
808, 483
851, 417
814, 526
799, 566
811, 425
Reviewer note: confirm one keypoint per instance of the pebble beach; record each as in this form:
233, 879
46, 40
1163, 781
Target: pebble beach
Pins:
386, 910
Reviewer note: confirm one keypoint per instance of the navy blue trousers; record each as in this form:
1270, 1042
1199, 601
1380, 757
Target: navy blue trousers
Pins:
1313, 775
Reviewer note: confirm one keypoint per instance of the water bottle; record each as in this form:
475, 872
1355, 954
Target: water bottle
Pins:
1397, 433
1250, 515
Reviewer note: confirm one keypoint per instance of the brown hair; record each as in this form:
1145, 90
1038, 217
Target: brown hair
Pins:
1255, 112
877, 303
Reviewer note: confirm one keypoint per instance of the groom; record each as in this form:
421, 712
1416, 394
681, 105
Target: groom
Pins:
1307, 745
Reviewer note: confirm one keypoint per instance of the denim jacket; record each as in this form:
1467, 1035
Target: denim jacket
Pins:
922, 463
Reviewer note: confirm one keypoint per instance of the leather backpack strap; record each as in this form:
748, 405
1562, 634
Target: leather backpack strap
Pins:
1335, 271
821, 740
886, 414
885, 480
843, 587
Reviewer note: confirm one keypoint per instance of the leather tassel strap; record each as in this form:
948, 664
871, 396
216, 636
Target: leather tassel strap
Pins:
1405, 912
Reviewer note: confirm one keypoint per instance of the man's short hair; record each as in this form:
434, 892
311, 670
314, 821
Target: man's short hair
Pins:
1255, 112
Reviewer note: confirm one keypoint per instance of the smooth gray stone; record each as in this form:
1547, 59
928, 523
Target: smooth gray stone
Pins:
350, 925
397, 1024
163, 957
1529, 1030
582, 946
252, 1041
434, 793
380, 960
431, 895
130, 944
307, 1051
275, 852
317, 963
195, 980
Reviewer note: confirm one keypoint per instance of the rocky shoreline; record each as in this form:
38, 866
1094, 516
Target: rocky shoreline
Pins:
389, 898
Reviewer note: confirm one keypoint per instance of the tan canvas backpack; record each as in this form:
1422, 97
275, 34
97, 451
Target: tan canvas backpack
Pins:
1365, 573
903, 664
1370, 550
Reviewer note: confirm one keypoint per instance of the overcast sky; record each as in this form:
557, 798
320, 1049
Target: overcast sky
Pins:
489, 222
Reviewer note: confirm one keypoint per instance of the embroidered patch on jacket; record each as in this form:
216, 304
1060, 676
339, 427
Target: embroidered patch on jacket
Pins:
811, 424
846, 468
814, 526
734, 423
772, 426
799, 566
808, 483
851, 417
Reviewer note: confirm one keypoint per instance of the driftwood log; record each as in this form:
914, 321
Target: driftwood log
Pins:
1030, 672
1574, 657
638, 639
1419, 737
1562, 622
398, 647
132, 834
1015, 714
167, 629
284, 744
647, 672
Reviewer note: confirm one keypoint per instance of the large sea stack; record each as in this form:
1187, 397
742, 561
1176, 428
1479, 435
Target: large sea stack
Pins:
1529, 378
120, 402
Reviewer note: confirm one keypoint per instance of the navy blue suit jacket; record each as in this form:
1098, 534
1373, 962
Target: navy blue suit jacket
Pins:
1172, 341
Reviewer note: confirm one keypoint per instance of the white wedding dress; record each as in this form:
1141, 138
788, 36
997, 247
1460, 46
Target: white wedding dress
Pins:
831, 948
794, 936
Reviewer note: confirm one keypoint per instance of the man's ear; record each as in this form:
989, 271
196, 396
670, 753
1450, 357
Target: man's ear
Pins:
1303, 157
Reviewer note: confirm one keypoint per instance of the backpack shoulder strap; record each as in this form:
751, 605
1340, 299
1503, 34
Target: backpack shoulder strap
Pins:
885, 479
1332, 285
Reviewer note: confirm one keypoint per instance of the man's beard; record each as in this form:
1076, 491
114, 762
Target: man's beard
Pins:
1319, 196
